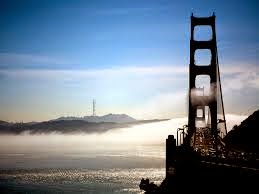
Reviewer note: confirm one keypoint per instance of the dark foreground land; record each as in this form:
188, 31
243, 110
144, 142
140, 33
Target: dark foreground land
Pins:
236, 172
244, 137
197, 176
205, 182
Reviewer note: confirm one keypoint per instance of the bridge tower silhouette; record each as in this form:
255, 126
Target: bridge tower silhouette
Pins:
211, 103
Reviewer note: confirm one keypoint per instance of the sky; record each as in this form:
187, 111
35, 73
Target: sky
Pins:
131, 56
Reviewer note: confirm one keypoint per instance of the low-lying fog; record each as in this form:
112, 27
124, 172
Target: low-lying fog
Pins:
132, 147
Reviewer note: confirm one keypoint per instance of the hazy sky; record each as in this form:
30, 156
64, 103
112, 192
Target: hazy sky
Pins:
131, 56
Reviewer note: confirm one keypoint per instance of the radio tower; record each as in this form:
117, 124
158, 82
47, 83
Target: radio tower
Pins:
94, 107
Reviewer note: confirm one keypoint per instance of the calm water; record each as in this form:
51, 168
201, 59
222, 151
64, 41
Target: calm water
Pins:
111, 170
77, 180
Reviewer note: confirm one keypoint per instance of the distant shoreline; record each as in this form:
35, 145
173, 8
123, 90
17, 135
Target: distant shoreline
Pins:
67, 126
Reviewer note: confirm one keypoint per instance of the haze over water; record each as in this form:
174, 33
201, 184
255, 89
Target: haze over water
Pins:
112, 162
58, 150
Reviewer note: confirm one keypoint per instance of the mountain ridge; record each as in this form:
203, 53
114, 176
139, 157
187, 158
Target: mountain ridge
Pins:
71, 125
116, 118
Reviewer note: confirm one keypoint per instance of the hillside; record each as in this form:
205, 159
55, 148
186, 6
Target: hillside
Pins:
71, 125
245, 136
60, 126
113, 118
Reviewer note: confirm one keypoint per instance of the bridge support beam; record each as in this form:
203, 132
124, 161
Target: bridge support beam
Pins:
170, 156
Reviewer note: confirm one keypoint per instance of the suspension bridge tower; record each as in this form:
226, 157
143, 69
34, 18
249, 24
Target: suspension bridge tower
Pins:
198, 101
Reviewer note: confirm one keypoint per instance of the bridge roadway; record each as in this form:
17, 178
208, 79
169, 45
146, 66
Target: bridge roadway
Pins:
244, 169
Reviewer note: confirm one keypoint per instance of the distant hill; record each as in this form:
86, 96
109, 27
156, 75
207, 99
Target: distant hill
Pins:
70, 125
4, 123
110, 118
245, 136
60, 126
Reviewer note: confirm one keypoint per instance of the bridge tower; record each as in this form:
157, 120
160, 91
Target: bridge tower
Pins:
198, 101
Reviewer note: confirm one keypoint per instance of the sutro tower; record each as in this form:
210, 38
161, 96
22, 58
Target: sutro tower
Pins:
94, 114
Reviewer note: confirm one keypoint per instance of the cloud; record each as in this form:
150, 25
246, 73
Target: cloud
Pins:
247, 79
17, 65
239, 76
96, 73
238, 68
27, 65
